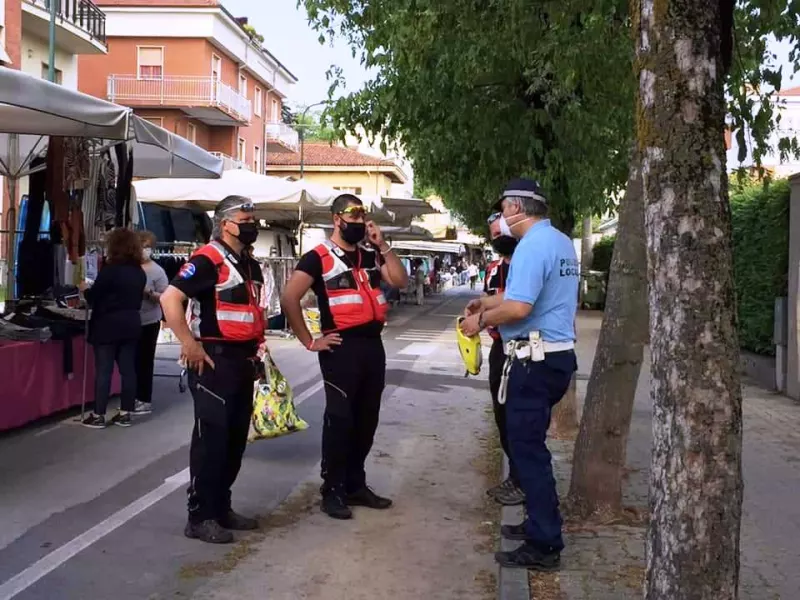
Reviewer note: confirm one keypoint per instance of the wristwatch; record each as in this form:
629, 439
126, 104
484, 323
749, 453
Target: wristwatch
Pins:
481, 323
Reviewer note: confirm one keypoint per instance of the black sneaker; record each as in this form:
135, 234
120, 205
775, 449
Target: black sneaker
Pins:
528, 557
505, 485
510, 496
209, 532
94, 421
122, 419
142, 408
514, 533
334, 506
366, 497
237, 522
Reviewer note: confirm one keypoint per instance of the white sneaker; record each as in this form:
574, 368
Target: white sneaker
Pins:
142, 408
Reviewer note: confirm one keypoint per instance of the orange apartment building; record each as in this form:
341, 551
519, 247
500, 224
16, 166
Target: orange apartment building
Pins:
192, 68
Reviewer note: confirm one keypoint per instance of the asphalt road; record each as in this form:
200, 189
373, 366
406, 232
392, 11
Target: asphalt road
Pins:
100, 514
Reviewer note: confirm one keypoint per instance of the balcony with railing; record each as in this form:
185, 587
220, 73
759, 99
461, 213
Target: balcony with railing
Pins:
281, 138
80, 24
229, 163
204, 98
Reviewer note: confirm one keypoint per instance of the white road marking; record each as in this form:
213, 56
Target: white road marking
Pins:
419, 349
48, 563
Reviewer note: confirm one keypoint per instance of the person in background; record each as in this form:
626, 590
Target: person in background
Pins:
220, 346
345, 273
536, 318
115, 325
419, 281
508, 493
472, 272
157, 283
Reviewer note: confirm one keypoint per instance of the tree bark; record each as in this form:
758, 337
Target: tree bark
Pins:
600, 450
564, 419
696, 471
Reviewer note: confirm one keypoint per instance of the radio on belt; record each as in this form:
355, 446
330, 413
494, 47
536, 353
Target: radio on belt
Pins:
536, 346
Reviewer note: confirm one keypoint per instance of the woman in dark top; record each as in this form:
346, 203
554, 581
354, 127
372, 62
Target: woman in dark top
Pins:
114, 329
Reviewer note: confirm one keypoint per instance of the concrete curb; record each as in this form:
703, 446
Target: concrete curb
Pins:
513, 584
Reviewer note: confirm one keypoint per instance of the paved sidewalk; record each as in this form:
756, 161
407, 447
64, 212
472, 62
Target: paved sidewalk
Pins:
607, 563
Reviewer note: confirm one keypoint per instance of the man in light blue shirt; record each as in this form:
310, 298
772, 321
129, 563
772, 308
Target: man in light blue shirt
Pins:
536, 318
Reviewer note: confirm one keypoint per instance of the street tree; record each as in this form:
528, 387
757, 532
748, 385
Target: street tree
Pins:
684, 52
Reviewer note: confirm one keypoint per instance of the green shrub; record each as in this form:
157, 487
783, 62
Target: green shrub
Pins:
602, 252
760, 259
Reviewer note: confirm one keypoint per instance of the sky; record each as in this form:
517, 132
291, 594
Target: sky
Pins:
289, 36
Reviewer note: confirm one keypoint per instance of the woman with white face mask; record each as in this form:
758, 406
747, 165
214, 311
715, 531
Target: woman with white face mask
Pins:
157, 282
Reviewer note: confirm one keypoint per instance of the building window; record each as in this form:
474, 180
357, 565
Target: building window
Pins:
276, 111
216, 68
242, 151
46, 74
348, 190
242, 85
257, 101
151, 62
191, 133
154, 120
257, 159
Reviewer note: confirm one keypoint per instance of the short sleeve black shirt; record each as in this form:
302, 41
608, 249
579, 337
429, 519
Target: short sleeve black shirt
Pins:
197, 279
311, 264
495, 282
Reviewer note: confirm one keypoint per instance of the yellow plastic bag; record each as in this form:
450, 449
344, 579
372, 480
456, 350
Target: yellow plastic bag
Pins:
274, 413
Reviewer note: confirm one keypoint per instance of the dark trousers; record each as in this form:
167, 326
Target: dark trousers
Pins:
533, 389
145, 362
105, 355
497, 359
354, 375
223, 405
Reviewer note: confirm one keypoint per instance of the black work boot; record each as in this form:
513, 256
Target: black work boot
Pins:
208, 531
528, 556
515, 533
334, 505
237, 522
366, 497
509, 494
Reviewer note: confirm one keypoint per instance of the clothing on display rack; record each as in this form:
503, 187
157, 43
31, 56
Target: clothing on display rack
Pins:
124, 179
76, 239
56, 194
18, 333
63, 328
170, 262
106, 192
271, 298
76, 163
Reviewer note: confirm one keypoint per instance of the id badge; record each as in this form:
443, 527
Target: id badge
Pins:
537, 346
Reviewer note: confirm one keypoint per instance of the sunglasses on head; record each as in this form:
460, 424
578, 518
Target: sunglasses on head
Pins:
493, 217
247, 207
354, 211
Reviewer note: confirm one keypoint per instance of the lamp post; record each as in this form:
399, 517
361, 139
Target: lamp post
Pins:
51, 60
301, 126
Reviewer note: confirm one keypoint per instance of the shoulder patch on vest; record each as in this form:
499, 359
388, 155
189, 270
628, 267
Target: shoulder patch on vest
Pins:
187, 271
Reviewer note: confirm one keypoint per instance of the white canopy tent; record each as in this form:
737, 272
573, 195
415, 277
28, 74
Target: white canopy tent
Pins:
424, 246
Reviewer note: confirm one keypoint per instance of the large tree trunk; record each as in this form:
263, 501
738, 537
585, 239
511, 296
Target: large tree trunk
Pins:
696, 471
596, 486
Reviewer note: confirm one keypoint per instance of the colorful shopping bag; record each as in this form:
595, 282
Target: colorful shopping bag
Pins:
274, 413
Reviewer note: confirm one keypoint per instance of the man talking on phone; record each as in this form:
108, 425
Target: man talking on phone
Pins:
345, 273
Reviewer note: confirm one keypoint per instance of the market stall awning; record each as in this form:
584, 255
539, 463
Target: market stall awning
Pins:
396, 234
159, 153
408, 207
439, 247
32, 109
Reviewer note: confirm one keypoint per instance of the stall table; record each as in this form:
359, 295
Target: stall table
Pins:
34, 384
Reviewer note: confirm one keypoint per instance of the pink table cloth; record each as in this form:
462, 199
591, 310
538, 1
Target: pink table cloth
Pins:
33, 384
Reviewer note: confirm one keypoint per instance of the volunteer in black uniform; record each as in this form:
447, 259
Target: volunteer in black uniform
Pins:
345, 273
220, 344
508, 492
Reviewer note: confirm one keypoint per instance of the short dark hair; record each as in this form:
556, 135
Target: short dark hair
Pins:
123, 246
342, 201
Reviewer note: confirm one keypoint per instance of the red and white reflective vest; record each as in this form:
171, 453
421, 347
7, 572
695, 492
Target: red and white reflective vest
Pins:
495, 284
239, 315
354, 294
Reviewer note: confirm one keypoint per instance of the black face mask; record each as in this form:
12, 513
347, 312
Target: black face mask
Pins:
504, 245
352, 233
248, 233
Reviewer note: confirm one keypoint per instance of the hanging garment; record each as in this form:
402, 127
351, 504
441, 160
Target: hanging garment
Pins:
76, 163
120, 151
271, 298
127, 191
37, 184
105, 204
76, 242
59, 200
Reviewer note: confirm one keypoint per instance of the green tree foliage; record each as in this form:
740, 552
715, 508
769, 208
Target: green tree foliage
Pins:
479, 92
760, 259
314, 127
602, 252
